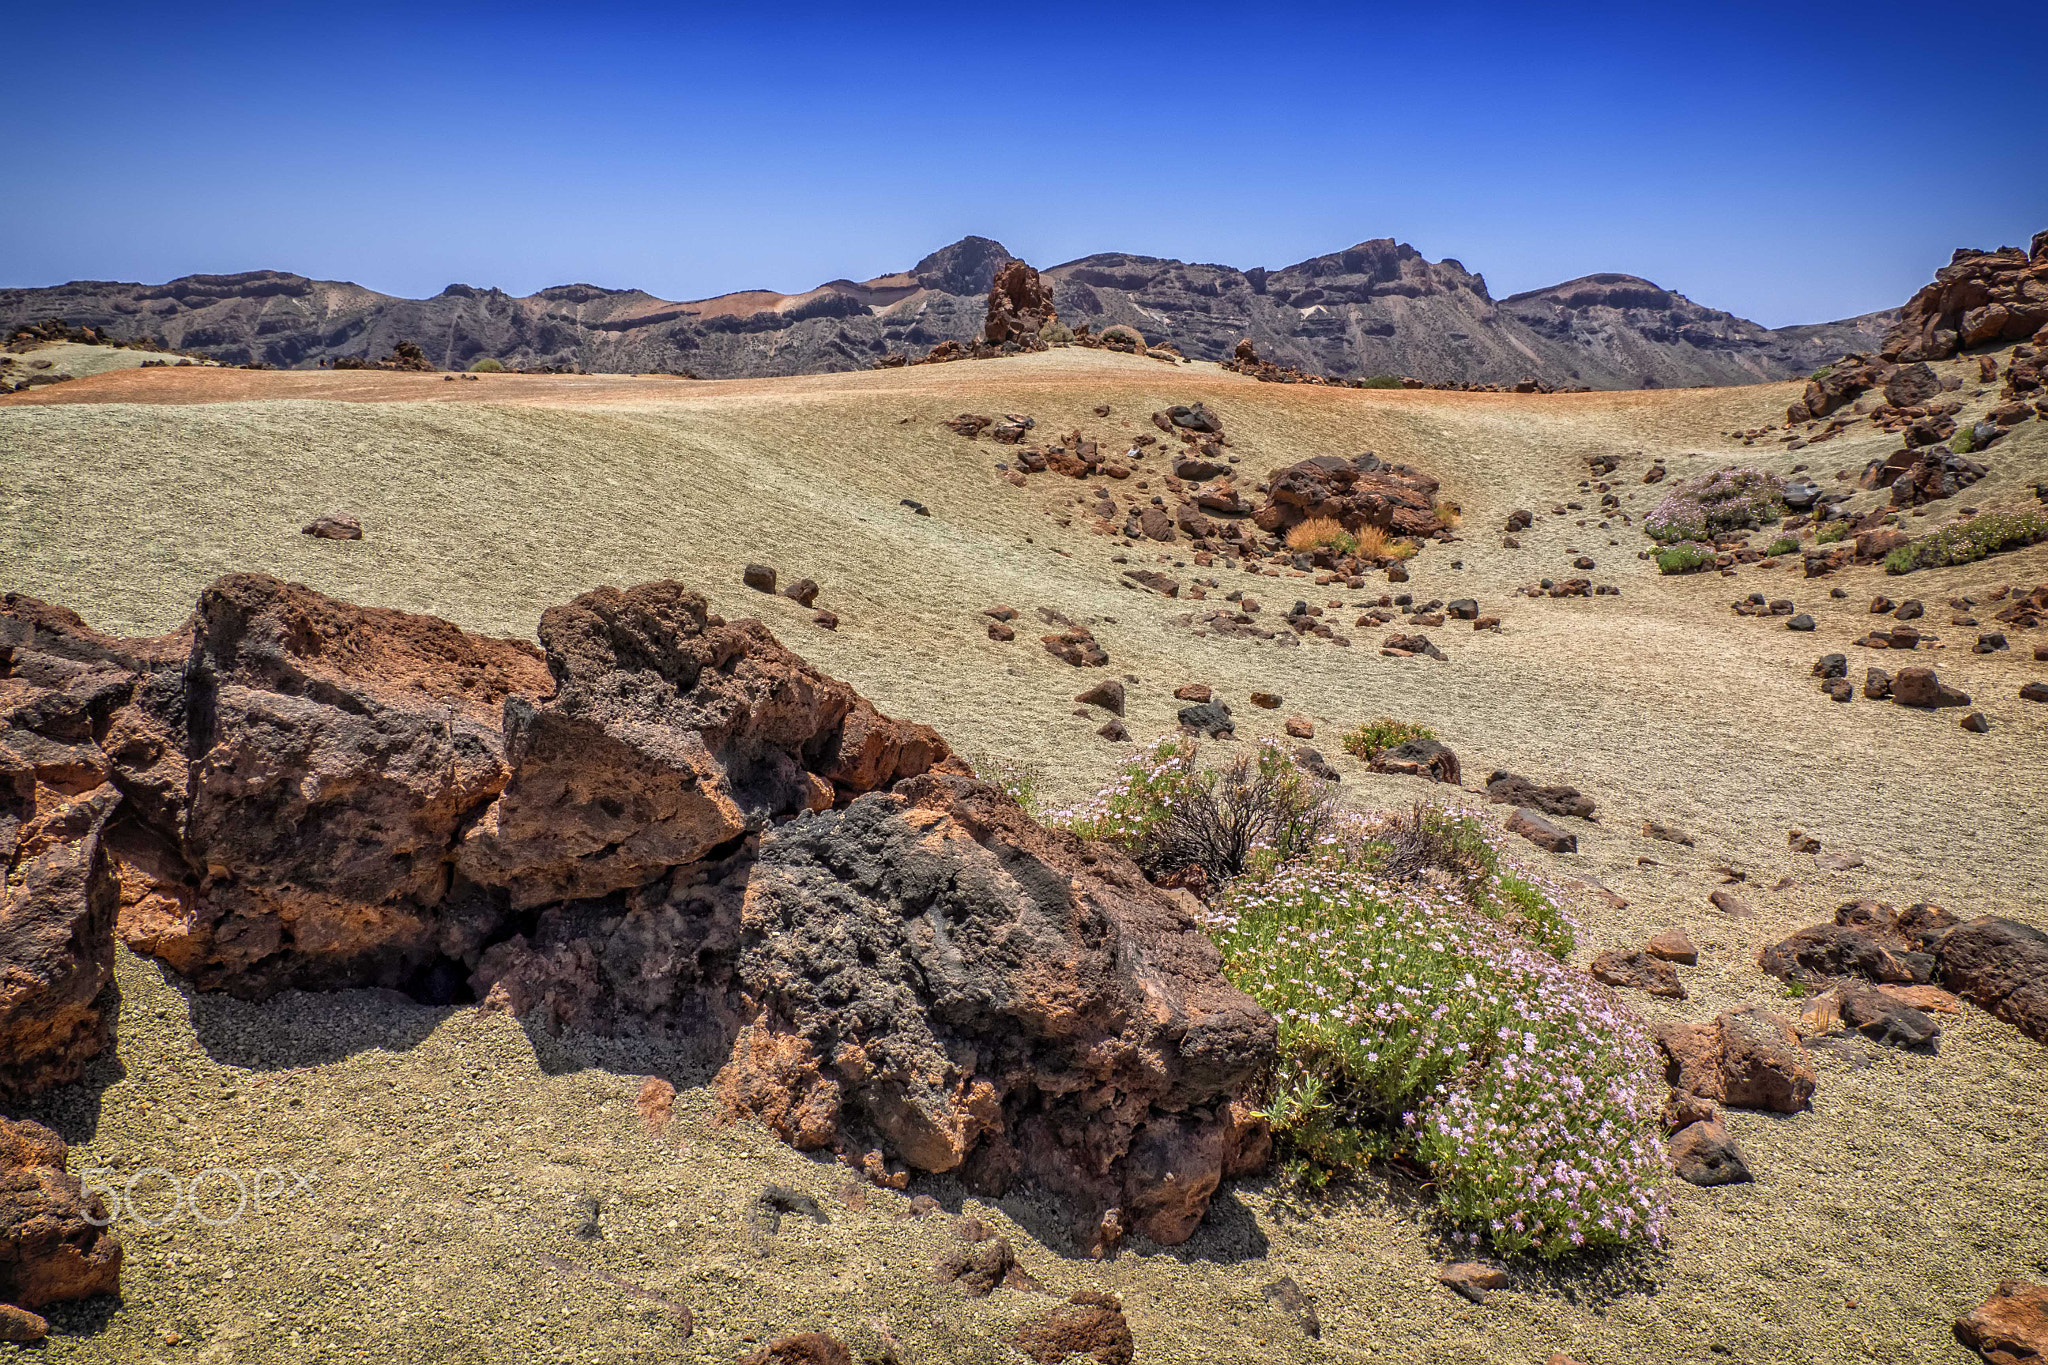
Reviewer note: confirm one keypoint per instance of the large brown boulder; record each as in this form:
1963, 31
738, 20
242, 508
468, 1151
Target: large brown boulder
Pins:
668, 733
2010, 1327
1358, 492
1979, 298
1746, 1059
54, 1242
975, 993
660, 823
2001, 965
61, 684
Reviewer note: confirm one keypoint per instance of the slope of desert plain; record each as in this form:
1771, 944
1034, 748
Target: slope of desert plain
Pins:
450, 1183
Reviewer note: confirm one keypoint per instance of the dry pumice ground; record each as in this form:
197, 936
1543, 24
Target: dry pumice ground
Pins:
473, 1193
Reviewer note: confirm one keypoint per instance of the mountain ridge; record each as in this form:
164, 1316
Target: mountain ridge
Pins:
1376, 307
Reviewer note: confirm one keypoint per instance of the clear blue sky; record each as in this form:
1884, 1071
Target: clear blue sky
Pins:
1788, 162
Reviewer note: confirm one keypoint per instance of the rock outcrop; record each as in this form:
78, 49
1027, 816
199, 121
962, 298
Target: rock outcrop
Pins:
54, 1241
1979, 298
1019, 307
658, 823
1358, 492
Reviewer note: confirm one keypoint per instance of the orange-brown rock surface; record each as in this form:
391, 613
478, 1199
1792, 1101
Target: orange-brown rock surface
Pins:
660, 823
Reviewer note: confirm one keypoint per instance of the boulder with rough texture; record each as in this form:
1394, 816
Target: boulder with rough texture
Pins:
1704, 1154
333, 526
1209, 719
661, 823
1920, 687
1505, 788
2010, 1327
1419, 758
1359, 492
1637, 970
54, 1241
1088, 1326
1673, 945
805, 1348
933, 971
1886, 1020
1019, 307
1978, 299
1746, 1059
1541, 832
2002, 966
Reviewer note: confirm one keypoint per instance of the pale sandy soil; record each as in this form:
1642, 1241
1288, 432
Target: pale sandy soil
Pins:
76, 361
450, 1147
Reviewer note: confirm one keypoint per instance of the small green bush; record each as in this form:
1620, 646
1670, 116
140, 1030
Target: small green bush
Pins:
1686, 557
1832, 532
1375, 737
1965, 542
1964, 441
1822, 373
488, 365
1380, 381
1783, 545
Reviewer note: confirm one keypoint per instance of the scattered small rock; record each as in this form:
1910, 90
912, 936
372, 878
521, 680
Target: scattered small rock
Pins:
1638, 970
1209, 718
333, 526
1670, 834
803, 592
825, 620
1730, 905
1920, 687
1300, 727
1194, 692
806, 1348
2010, 1327
759, 577
1108, 694
1704, 1154
1088, 1324
1472, 1279
1286, 1295
1975, 723
1541, 832
1673, 945
1419, 758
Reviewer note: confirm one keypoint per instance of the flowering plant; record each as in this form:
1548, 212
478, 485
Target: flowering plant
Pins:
1725, 500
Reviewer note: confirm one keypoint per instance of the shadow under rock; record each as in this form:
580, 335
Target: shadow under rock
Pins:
72, 1111
685, 1061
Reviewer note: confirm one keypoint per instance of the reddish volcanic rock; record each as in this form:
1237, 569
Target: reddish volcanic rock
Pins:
1980, 298
1361, 491
661, 824
54, 1242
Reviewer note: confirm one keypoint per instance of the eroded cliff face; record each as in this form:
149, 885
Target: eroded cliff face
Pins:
659, 823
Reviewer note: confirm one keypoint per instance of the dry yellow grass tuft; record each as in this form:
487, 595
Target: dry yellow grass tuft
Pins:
1398, 550
1371, 541
1318, 533
1449, 513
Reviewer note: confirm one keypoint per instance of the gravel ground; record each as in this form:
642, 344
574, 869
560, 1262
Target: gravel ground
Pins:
450, 1154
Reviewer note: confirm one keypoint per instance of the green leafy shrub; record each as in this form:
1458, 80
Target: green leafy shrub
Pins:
1822, 373
1380, 381
1832, 532
1966, 542
1375, 737
488, 365
1964, 441
1684, 557
1413, 1024
1783, 545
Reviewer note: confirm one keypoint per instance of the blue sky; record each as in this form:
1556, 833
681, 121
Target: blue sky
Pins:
1791, 163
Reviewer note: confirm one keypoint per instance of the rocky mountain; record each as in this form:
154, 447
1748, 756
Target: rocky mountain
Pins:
1379, 307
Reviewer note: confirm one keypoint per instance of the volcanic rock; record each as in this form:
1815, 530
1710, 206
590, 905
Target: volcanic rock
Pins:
1637, 970
1746, 1059
1703, 1154
2002, 966
1419, 758
1210, 719
1358, 492
1541, 832
1673, 945
54, 1240
1108, 694
1075, 645
1979, 298
1088, 1325
1504, 788
2010, 1327
1019, 307
334, 526
1919, 687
